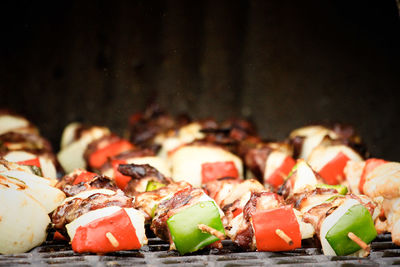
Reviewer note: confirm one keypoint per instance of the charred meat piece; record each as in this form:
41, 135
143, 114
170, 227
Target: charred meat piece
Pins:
235, 135
255, 160
148, 201
270, 163
169, 207
232, 194
139, 157
306, 200
97, 182
12, 141
125, 157
81, 180
145, 126
138, 172
80, 204
306, 138
301, 178
174, 138
141, 176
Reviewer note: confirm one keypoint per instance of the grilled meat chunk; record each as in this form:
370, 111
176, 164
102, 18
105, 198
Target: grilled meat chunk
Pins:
69, 185
141, 175
76, 206
148, 201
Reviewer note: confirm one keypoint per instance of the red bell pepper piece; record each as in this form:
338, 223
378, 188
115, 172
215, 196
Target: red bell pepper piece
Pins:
30, 162
332, 172
59, 236
276, 179
84, 177
107, 234
120, 179
100, 156
214, 170
266, 222
236, 212
370, 164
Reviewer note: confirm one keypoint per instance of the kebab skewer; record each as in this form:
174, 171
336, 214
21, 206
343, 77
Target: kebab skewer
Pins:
98, 219
183, 216
340, 221
189, 221
253, 215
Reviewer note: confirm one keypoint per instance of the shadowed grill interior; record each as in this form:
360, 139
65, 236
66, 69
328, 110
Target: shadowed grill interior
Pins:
383, 252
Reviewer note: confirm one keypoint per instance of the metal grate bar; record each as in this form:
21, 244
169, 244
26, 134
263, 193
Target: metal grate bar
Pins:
156, 253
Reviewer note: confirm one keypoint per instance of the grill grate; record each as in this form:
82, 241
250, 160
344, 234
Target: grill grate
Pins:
156, 253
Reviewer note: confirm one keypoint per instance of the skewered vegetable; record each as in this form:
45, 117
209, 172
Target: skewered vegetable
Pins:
71, 156
24, 220
189, 220
350, 218
199, 164
276, 229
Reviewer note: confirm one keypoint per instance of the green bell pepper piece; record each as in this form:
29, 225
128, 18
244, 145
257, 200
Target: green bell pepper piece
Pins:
294, 169
153, 211
341, 189
153, 185
357, 220
184, 230
332, 198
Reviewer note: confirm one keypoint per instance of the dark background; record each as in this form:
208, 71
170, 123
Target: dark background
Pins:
282, 63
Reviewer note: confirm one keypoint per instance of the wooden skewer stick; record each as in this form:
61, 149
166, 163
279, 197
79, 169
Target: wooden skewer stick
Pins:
359, 242
284, 236
212, 231
114, 242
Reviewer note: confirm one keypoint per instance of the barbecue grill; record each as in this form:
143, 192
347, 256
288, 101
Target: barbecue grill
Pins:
156, 253
282, 65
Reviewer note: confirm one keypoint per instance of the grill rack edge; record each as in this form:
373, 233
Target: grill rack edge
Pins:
156, 253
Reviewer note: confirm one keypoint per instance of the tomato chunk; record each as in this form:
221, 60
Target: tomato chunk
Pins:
370, 164
332, 172
214, 170
107, 234
266, 222
100, 156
